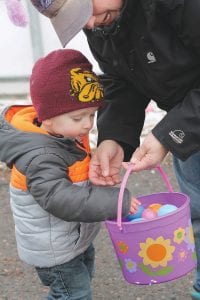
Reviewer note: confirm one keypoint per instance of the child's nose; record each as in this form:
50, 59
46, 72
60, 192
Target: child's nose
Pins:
88, 124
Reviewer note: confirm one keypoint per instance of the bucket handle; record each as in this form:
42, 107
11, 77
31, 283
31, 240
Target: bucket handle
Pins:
123, 185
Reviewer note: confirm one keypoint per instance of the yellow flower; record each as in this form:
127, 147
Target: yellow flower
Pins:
179, 235
191, 235
156, 252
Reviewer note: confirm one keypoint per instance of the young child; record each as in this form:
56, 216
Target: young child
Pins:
55, 208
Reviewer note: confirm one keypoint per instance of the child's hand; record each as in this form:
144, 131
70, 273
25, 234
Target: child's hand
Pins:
134, 205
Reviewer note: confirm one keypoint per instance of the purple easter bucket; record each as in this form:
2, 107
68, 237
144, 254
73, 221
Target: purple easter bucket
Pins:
157, 250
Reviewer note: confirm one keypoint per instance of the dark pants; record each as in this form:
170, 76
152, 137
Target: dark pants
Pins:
71, 280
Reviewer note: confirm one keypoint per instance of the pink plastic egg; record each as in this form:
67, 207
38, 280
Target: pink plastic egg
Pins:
149, 214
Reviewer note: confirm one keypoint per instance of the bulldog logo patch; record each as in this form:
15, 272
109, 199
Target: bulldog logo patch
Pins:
85, 85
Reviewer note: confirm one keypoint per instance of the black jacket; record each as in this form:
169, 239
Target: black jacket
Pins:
151, 52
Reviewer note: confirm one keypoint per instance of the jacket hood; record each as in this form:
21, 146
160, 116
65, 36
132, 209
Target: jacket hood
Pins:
18, 134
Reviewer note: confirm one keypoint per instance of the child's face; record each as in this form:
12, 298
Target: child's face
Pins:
73, 124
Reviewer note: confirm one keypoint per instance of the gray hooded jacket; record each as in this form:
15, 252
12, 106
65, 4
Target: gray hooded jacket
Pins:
55, 219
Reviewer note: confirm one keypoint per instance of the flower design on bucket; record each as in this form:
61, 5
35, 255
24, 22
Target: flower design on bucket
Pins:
123, 247
182, 255
179, 235
131, 266
156, 252
189, 239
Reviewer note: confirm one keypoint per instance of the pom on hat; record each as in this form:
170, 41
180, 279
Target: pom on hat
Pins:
63, 81
16, 12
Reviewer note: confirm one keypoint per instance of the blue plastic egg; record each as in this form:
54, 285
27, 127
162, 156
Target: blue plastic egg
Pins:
166, 209
137, 220
137, 215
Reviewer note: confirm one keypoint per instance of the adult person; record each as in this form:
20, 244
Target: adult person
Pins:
147, 49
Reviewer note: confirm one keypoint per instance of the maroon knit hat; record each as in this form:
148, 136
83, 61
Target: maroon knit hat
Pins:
63, 81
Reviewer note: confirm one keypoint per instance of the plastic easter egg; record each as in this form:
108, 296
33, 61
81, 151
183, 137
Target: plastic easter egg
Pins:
155, 206
137, 220
166, 209
137, 214
149, 214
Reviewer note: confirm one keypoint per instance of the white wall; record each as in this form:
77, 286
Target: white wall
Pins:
15, 47
16, 55
52, 42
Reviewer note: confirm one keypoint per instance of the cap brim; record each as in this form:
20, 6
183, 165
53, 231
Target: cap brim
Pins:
71, 18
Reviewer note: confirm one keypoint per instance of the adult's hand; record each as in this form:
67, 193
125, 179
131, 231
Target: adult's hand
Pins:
150, 154
106, 163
